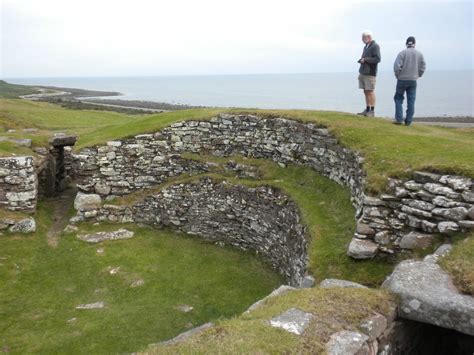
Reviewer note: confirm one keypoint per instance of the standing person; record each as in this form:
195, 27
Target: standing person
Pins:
408, 67
368, 71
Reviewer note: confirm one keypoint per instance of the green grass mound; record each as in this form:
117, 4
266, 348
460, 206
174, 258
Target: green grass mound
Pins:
41, 286
333, 309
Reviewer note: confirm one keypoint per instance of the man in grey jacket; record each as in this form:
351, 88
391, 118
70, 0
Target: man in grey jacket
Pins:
408, 67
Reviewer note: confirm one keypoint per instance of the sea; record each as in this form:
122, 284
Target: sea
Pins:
440, 93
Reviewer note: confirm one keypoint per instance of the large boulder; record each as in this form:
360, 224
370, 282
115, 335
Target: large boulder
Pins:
87, 202
428, 295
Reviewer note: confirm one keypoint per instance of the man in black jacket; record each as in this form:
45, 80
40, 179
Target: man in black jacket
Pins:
368, 72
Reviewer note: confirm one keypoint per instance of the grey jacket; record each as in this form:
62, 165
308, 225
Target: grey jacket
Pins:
409, 65
372, 57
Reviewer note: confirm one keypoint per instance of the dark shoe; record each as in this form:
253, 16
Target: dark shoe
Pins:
370, 114
398, 123
363, 113
407, 124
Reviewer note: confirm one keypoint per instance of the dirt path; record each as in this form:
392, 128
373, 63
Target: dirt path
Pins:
62, 203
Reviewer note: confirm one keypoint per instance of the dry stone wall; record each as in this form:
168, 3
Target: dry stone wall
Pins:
405, 218
18, 184
262, 219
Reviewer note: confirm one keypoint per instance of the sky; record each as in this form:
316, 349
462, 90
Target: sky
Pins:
58, 38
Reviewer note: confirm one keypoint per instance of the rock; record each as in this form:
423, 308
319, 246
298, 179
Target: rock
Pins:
423, 177
373, 201
279, 291
429, 227
101, 236
72, 320
331, 283
137, 283
362, 249
456, 182
468, 196
428, 295
363, 228
61, 140
447, 227
374, 326
102, 189
69, 229
466, 224
383, 237
308, 282
114, 270
87, 202
438, 189
443, 250
455, 213
442, 201
412, 186
27, 225
420, 205
293, 320
347, 342
20, 196
415, 240
470, 213
100, 250
186, 335
95, 305
184, 308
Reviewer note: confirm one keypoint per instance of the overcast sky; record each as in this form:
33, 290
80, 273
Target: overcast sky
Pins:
54, 38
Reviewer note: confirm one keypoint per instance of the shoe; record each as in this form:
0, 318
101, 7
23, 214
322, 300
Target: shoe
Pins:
398, 123
363, 113
407, 124
370, 114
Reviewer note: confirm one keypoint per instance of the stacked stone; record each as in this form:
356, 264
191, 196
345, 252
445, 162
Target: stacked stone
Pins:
18, 184
122, 167
408, 217
261, 219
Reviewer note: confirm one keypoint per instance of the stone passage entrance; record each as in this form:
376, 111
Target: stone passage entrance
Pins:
54, 177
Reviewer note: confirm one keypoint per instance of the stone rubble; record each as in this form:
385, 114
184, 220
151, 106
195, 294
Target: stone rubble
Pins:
293, 320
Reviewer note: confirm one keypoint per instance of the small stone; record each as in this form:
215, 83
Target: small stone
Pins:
447, 227
70, 229
102, 236
307, 282
444, 202
95, 305
438, 189
415, 240
293, 320
455, 213
429, 227
468, 196
383, 237
72, 320
100, 250
115, 270
456, 182
363, 228
423, 177
137, 283
466, 224
413, 186
63, 140
102, 189
362, 249
184, 308
27, 225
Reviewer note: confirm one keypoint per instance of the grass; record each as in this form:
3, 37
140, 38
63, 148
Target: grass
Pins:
324, 206
333, 309
12, 91
42, 285
460, 264
389, 151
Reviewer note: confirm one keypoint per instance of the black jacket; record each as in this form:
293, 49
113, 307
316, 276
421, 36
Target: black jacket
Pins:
372, 57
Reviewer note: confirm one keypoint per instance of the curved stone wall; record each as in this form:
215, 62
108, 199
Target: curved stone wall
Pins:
262, 219
429, 204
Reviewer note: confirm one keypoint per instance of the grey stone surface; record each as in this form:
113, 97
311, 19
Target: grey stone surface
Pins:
415, 240
103, 236
347, 342
307, 282
447, 227
330, 283
362, 249
186, 335
374, 326
293, 320
27, 225
87, 202
428, 295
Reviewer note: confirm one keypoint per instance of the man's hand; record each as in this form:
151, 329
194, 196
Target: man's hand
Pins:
362, 60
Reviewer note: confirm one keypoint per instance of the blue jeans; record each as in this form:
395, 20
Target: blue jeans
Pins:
410, 87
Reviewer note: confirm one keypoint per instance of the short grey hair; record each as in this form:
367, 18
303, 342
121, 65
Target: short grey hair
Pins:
367, 33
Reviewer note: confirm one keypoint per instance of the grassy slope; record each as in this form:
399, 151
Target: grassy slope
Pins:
11, 91
460, 263
40, 287
389, 150
334, 310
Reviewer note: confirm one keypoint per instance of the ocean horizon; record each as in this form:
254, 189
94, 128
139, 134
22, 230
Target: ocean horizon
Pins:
440, 93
